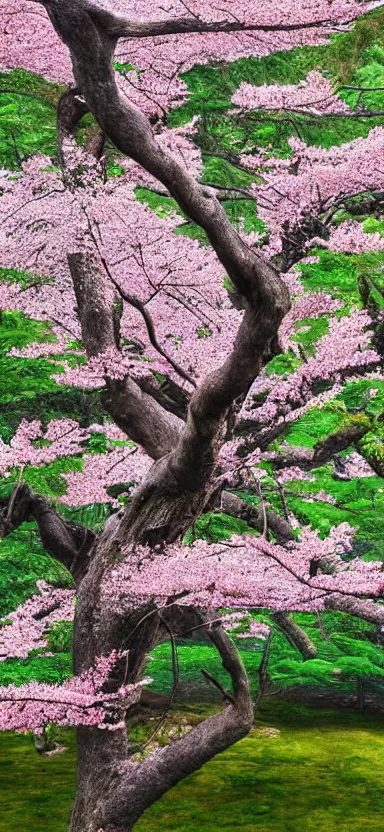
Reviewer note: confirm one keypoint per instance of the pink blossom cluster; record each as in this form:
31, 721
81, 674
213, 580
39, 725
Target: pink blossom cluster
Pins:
120, 465
350, 237
27, 627
110, 364
231, 461
65, 438
41, 221
255, 629
78, 701
313, 95
245, 571
293, 473
44, 216
161, 59
340, 353
314, 179
357, 466
44, 349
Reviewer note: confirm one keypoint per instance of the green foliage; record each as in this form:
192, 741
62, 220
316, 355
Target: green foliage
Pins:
221, 172
353, 57
24, 279
25, 378
98, 443
211, 88
284, 364
93, 516
216, 526
359, 501
334, 273
48, 479
309, 332
315, 425
27, 117
345, 654
340, 274
26, 387
16, 330
357, 396
372, 225
60, 638
50, 670
28, 391
23, 561
61, 403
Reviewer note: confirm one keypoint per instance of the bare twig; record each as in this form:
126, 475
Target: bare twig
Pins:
218, 685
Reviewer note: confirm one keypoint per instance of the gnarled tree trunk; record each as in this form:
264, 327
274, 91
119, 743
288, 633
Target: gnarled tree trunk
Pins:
112, 791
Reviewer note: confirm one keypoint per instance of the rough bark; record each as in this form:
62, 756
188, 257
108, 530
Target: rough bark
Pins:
359, 607
324, 450
112, 791
69, 543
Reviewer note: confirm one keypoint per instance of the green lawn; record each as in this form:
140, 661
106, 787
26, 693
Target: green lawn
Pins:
323, 773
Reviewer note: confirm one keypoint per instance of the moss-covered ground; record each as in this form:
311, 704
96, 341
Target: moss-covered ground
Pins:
322, 773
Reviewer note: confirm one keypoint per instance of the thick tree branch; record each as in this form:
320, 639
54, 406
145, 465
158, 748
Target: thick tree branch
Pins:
323, 451
87, 32
295, 635
142, 784
189, 466
359, 607
133, 409
70, 109
235, 506
69, 543
119, 26
256, 342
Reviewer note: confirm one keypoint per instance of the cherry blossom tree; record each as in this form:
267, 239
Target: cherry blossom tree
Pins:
179, 358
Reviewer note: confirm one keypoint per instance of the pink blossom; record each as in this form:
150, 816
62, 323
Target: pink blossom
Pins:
29, 623
78, 701
244, 572
313, 95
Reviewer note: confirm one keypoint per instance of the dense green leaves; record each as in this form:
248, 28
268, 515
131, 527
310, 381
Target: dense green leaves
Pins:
27, 117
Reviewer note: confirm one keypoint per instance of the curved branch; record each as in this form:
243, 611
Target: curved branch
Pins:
235, 506
69, 543
88, 36
70, 109
88, 32
119, 26
141, 784
323, 451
